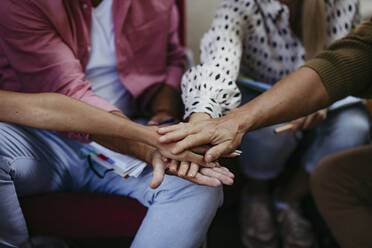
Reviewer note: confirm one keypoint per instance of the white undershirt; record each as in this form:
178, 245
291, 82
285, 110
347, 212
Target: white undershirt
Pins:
102, 67
102, 72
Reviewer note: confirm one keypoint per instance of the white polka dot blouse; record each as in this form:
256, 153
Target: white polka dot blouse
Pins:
252, 37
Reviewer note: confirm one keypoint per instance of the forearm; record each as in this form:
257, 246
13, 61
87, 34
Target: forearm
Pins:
339, 71
299, 94
57, 112
128, 147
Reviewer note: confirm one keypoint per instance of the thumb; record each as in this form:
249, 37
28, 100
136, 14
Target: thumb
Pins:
152, 122
216, 151
158, 172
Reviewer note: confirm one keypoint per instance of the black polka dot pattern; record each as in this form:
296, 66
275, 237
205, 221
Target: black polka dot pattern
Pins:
253, 37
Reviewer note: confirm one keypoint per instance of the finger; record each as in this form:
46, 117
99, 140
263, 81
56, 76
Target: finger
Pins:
197, 159
216, 151
152, 123
164, 159
190, 141
184, 168
201, 179
173, 136
214, 174
205, 180
217, 164
297, 125
158, 172
173, 167
194, 168
310, 121
324, 114
172, 128
201, 149
224, 171
231, 155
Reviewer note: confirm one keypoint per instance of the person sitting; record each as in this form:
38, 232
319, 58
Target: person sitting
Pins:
265, 41
341, 183
123, 57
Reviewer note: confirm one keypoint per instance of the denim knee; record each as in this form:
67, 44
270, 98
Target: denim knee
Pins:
345, 129
210, 196
207, 199
265, 154
356, 130
12, 142
5, 168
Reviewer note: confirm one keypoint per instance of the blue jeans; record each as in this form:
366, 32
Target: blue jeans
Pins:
34, 161
265, 154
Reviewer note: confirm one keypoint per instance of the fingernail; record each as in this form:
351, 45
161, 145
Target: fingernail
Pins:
209, 158
162, 138
174, 150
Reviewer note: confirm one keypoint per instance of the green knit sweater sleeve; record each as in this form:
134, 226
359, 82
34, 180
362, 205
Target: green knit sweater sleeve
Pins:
346, 66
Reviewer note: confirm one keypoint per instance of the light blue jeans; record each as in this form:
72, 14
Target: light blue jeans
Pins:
266, 154
34, 161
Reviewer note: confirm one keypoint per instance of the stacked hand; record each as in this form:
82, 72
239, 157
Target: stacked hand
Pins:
223, 134
187, 164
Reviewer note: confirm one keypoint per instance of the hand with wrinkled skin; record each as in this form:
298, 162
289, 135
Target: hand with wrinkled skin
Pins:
222, 133
191, 171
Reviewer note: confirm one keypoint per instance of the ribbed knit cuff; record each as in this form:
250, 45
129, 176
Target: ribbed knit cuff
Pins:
331, 78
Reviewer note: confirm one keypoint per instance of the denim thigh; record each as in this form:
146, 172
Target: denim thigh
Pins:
343, 129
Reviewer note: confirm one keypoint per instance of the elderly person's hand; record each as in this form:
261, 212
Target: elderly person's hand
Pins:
191, 171
223, 134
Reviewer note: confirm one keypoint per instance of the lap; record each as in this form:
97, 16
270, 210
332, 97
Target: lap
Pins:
39, 160
43, 161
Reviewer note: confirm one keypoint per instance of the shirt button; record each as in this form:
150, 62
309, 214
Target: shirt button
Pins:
85, 6
89, 48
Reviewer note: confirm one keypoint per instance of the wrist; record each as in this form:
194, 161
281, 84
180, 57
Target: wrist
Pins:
243, 122
128, 129
149, 153
149, 135
199, 117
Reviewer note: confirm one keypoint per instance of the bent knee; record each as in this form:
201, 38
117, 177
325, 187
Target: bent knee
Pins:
209, 197
176, 188
12, 140
358, 126
354, 124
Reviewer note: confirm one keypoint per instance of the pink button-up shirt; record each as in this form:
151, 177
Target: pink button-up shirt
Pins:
45, 46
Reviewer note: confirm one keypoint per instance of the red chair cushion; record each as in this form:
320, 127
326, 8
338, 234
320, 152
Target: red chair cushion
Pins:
82, 215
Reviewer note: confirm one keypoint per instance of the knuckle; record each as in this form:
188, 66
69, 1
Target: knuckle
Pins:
181, 173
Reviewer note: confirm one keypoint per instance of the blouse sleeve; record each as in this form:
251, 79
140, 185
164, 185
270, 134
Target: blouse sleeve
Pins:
210, 87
